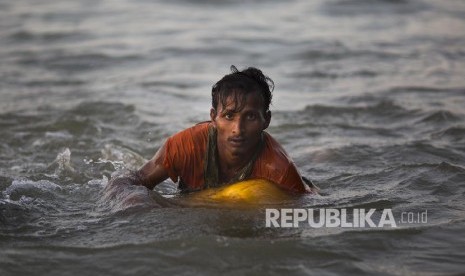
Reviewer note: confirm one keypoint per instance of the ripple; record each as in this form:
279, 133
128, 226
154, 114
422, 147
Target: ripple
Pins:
334, 75
459, 91
372, 7
48, 83
441, 180
341, 53
454, 134
72, 62
383, 107
440, 117
47, 37
382, 114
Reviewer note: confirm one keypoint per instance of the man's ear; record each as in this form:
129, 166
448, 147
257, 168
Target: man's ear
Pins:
213, 116
267, 119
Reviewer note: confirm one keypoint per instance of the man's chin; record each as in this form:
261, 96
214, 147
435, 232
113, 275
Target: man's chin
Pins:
238, 152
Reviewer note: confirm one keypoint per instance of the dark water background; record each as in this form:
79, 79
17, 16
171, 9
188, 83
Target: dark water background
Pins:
369, 102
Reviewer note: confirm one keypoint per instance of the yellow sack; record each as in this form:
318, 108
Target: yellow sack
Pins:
254, 191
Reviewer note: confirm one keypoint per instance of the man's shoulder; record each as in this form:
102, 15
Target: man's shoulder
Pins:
274, 147
274, 155
198, 131
275, 165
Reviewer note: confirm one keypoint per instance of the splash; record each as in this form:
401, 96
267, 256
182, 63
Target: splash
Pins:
121, 158
62, 164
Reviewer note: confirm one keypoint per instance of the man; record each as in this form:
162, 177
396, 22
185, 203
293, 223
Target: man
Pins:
232, 147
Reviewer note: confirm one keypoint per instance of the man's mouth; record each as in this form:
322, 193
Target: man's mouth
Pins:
237, 141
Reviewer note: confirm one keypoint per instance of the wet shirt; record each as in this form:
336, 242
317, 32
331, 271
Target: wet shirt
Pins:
186, 153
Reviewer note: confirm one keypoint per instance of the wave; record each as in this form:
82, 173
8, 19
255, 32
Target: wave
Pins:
378, 116
382, 107
459, 91
50, 83
72, 62
316, 74
26, 188
454, 134
439, 175
373, 7
338, 52
28, 36
440, 117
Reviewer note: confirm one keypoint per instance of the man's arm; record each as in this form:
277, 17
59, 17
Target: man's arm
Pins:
153, 172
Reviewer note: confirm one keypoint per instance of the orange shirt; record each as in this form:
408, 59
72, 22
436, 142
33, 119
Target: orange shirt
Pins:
185, 155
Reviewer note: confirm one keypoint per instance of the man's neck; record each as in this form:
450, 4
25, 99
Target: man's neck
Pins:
230, 165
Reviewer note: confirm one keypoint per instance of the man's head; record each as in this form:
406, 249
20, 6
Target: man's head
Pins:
238, 84
240, 112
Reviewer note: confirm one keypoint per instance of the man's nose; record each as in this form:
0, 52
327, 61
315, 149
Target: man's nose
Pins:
238, 126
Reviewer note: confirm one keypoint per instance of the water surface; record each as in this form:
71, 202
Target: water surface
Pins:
369, 102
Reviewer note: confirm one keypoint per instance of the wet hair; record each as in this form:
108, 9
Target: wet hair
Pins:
239, 84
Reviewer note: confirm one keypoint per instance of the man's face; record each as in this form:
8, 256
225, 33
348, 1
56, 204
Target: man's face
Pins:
239, 132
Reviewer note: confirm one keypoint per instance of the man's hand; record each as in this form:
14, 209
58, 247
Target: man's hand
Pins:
313, 188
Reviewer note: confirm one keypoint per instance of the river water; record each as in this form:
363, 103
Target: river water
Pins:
369, 102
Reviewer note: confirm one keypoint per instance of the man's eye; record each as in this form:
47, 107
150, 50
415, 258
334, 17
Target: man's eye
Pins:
228, 116
251, 116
